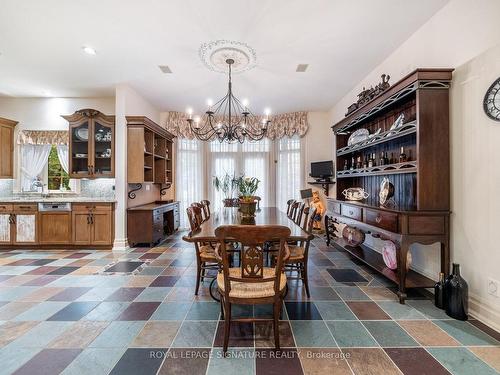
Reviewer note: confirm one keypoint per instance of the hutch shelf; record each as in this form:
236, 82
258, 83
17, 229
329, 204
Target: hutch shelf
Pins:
414, 157
149, 152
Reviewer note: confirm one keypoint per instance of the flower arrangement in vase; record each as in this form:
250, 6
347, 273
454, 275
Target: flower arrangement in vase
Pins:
247, 187
227, 184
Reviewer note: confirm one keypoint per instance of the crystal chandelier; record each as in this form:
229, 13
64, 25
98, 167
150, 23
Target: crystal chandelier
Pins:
229, 120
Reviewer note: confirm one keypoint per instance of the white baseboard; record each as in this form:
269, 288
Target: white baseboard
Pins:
484, 312
120, 245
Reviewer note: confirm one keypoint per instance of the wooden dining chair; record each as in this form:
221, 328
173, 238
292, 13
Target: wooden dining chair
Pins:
251, 283
300, 212
206, 208
257, 199
289, 205
205, 251
202, 217
293, 210
299, 253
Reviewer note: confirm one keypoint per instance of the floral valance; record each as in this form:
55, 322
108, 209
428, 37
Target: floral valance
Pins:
44, 137
286, 124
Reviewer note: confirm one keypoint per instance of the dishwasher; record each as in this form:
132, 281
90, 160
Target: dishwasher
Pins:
54, 206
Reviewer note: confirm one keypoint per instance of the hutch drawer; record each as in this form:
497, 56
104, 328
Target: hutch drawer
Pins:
351, 211
384, 220
5, 207
333, 207
426, 225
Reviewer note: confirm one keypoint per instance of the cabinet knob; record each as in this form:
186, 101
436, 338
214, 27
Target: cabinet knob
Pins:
351, 212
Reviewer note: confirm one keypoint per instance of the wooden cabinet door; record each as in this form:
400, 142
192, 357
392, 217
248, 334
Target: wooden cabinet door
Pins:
103, 158
80, 133
54, 228
6, 151
82, 228
25, 228
102, 228
5, 228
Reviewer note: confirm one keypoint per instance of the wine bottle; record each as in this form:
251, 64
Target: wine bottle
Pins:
382, 160
386, 159
359, 164
392, 161
457, 295
365, 163
374, 157
439, 297
370, 161
346, 166
402, 155
353, 163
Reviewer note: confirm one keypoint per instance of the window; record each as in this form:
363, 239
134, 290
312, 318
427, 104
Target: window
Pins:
250, 159
289, 171
57, 177
189, 175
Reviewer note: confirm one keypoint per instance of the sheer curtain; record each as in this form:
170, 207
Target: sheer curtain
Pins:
189, 175
223, 158
289, 170
34, 159
255, 162
62, 154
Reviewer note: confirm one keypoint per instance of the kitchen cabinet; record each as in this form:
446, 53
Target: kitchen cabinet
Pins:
18, 224
93, 224
7, 148
91, 144
152, 223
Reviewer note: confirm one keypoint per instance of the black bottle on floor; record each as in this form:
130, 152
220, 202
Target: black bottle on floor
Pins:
439, 297
457, 294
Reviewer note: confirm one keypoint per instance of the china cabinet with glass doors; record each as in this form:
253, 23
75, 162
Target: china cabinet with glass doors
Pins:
91, 144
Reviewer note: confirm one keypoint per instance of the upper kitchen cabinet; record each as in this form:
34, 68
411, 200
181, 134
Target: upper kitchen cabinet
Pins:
7, 147
91, 144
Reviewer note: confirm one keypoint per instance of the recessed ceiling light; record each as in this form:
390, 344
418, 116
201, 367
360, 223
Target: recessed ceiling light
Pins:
89, 50
165, 69
301, 68
267, 111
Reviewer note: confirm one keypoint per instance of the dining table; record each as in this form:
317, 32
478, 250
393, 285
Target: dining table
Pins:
231, 216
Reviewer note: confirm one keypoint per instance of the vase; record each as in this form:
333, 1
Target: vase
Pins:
439, 294
457, 294
248, 209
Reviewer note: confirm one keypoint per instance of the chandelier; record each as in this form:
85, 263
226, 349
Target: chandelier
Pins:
229, 119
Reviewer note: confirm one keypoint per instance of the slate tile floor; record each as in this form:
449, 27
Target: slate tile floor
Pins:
97, 312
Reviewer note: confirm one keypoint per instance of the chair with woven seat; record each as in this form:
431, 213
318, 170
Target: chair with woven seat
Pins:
205, 252
251, 283
206, 208
289, 204
300, 212
202, 217
299, 252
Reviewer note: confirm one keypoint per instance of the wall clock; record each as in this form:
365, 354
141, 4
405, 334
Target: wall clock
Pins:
491, 103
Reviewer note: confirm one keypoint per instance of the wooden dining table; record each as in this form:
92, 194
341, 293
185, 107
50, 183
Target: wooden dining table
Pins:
231, 216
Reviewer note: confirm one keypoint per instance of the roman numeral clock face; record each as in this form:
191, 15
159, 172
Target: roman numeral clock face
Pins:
491, 102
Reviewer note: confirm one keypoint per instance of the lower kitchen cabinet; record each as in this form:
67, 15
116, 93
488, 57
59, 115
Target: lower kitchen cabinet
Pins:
55, 228
18, 224
93, 224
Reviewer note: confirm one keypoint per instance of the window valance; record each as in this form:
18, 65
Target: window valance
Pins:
44, 137
286, 124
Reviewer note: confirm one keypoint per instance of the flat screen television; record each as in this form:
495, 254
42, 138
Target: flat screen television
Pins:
322, 170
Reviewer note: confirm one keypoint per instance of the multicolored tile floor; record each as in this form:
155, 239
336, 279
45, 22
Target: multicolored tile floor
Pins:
97, 312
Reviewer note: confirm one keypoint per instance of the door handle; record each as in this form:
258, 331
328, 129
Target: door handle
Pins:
13, 218
91, 218
88, 219
10, 219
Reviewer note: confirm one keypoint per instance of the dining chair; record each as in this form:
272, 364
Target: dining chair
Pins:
205, 251
202, 216
251, 283
293, 210
257, 199
300, 212
206, 208
289, 205
299, 252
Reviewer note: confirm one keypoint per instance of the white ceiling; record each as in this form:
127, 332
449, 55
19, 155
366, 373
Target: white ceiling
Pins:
341, 40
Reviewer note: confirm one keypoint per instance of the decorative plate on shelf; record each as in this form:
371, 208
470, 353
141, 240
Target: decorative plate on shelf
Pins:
389, 254
399, 121
355, 194
82, 134
353, 236
359, 135
386, 191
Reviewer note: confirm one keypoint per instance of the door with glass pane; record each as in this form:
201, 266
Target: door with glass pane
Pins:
79, 149
102, 149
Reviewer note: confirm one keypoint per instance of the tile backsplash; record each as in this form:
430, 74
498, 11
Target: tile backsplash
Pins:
6, 187
99, 188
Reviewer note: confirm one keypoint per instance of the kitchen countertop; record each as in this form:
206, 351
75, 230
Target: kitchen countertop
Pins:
151, 206
14, 199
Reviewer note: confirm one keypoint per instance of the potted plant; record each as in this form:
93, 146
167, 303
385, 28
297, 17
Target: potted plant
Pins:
247, 187
226, 184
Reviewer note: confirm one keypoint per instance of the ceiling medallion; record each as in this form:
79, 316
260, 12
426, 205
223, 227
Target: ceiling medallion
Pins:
215, 54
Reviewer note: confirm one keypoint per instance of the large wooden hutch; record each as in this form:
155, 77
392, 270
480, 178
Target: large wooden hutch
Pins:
419, 212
